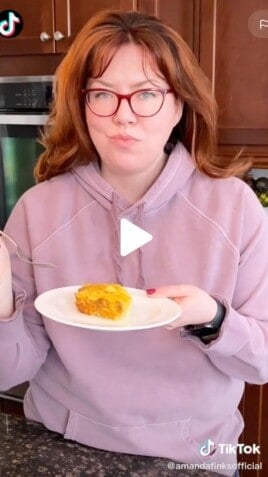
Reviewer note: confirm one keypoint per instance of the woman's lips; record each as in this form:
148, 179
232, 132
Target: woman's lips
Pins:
124, 139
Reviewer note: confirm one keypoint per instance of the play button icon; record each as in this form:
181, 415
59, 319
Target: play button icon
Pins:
132, 237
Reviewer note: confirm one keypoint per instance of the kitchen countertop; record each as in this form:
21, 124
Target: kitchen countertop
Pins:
27, 449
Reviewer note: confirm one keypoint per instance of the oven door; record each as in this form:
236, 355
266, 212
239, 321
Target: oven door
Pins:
19, 151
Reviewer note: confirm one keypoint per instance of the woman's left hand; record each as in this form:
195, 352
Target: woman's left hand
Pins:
6, 296
197, 306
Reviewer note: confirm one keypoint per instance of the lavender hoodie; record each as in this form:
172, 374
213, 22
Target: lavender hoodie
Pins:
155, 392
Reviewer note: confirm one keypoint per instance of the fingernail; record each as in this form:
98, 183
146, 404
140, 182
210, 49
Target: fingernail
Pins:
150, 291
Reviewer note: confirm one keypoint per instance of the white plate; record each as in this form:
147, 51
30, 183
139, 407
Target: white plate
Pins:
59, 305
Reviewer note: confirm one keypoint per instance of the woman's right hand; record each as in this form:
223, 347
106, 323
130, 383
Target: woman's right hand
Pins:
6, 295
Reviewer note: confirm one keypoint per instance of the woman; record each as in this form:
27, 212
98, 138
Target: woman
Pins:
132, 135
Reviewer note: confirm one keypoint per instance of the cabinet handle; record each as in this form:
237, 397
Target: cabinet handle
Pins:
58, 36
44, 36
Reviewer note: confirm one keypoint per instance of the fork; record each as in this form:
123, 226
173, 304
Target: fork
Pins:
22, 255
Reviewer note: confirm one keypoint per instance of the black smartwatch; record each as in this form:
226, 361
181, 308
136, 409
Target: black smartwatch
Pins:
207, 332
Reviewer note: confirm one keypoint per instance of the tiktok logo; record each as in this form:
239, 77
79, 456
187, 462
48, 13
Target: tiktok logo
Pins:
207, 448
11, 23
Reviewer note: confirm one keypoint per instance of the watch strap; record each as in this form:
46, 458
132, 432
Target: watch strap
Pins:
207, 332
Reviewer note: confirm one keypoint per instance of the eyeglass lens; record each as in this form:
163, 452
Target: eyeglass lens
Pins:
142, 103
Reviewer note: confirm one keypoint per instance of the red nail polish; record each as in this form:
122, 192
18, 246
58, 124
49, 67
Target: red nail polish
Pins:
150, 291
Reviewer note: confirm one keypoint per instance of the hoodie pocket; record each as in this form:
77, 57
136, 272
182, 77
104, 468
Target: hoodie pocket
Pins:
165, 439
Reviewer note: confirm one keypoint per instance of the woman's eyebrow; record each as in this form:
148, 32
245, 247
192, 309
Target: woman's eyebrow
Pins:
134, 85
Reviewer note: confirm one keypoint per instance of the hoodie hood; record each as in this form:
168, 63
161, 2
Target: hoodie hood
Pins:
173, 177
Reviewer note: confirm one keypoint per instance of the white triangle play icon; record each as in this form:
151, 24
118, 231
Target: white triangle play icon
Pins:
132, 237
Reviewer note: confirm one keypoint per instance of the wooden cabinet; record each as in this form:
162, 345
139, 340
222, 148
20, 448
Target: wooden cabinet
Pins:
254, 408
51, 25
233, 52
78, 13
179, 14
38, 17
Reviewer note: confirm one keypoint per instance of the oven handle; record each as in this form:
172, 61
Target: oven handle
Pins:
24, 119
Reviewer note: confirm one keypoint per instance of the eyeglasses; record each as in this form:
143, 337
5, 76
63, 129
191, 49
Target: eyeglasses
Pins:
144, 102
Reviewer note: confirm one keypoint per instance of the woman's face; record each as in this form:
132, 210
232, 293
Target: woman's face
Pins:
127, 143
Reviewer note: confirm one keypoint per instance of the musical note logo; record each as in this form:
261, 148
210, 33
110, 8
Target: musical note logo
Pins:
207, 448
11, 23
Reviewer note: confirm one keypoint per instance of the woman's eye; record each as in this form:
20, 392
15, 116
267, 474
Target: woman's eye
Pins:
147, 94
102, 95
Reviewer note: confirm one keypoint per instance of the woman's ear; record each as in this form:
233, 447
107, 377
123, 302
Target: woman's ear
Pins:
180, 106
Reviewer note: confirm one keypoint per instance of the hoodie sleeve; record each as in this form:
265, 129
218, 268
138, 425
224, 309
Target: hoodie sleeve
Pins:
24, 342
241, 350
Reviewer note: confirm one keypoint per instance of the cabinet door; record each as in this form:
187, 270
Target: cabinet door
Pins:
180, 14
37, 17
254, 408
234, 54
78, 13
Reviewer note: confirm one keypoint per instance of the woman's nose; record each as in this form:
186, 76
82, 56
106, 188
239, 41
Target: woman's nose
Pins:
124, 114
